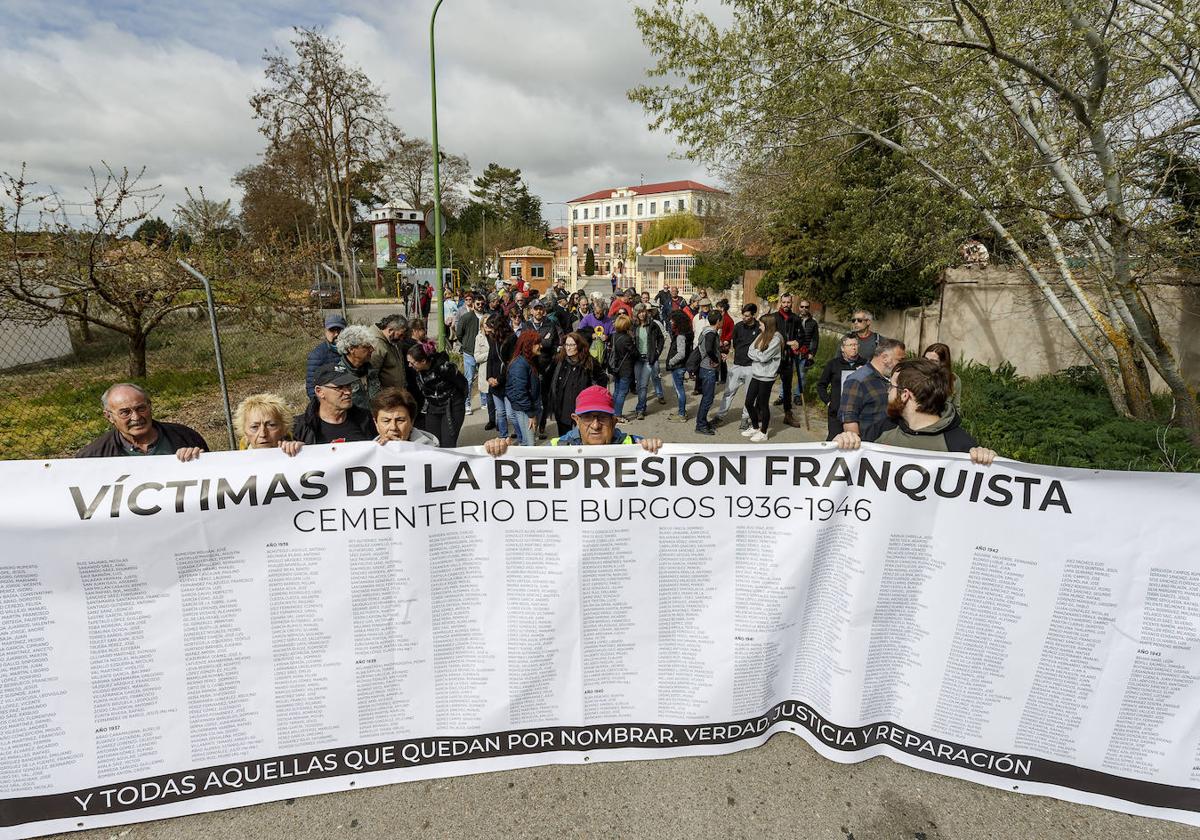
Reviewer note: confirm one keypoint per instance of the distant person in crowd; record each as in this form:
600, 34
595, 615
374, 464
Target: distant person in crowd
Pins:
420, 338
480, 354
395, 414
765, 354
595, 424
443, 391
681, 347
324, 353
261, 423
649, 338
574, 370
624, 303
598, 317
690, 309
549, 337
861, 329
700, 316
829, 386
663, 300
560, 289
726, 331
135, 431
388, 338
613, 279
450, 309
467, 330
426, 300
787, 324
864, 398
355, 349
918, 416
501, 340
523, 388
808, 339
331, 415
622, 358
940, 353
745, 332
709, 344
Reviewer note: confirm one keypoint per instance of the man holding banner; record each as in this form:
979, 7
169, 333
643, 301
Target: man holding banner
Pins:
595, 425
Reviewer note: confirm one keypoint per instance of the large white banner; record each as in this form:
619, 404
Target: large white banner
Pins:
177, 638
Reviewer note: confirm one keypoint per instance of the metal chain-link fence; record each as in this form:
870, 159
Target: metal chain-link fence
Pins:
52, 374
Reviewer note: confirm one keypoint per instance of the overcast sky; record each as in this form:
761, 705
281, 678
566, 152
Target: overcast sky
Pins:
535, 84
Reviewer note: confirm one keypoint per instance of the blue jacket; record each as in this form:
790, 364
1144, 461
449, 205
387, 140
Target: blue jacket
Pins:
323, 354
522, 387
573, 438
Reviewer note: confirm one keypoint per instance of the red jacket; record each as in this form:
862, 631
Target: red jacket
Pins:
726, 328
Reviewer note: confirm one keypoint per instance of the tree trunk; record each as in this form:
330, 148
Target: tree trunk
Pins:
137, 355
1133, 375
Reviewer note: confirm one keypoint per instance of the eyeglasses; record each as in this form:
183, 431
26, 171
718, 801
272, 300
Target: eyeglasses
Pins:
860, 320
594, 418
126, 413
344, 388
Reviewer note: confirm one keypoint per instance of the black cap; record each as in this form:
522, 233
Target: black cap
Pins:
334, 375
538, 304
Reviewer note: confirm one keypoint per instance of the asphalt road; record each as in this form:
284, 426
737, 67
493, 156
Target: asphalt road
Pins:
780, 790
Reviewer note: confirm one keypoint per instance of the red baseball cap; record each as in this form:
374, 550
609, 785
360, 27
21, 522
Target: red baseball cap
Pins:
592, 399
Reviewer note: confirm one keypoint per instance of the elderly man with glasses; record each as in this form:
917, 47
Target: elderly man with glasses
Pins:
135, 431
595, 425
331, 416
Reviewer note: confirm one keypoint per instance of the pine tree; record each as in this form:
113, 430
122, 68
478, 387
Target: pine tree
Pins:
589, 263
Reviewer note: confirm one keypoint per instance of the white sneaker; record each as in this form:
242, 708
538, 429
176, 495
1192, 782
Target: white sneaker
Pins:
758, 436
469, 410
749, 431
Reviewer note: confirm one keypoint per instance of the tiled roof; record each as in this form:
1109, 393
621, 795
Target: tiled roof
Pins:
690, 246
649, 189
527, 251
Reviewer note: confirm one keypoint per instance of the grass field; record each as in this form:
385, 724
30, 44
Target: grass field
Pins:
53, 408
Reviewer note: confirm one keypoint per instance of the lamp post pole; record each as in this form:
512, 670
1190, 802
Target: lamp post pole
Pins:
437, 191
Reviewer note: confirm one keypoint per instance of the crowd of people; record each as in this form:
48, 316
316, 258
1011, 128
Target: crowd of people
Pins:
528, 359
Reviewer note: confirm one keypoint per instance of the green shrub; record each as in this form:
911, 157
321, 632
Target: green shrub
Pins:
1065, 419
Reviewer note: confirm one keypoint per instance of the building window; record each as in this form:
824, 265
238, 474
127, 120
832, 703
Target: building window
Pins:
575, 213
585, 212
607, 210
608, 247
639, 228
640, 207
537, 271
682, 205
514, 269
700, 205
653, 207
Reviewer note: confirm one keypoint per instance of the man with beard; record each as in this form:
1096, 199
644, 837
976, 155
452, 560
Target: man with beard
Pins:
865, 393
917, 415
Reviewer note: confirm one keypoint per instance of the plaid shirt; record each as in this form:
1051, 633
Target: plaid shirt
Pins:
864, 400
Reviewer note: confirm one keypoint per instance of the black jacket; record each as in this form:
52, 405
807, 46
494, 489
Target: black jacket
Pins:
789, 330
440, 383
655, 339
306, 427
109, 445
549, 337
829, 386
743, 336
568, 380
808, 333
622, 354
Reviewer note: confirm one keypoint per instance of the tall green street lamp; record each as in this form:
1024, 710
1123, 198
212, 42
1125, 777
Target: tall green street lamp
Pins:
437, 192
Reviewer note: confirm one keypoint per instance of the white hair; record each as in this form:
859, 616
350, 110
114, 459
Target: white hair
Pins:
111, 388
355, 335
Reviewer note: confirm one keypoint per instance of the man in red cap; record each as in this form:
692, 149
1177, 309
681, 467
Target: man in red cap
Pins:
595, 425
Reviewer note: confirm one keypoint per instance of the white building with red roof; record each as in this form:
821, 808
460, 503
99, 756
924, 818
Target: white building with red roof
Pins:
611, 221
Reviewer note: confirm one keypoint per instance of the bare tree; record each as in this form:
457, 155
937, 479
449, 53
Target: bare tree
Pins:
407, 173
341, 115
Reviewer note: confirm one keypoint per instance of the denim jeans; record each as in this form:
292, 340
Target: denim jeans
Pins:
641, 374
496, 406
518, 423
707, 379
798, 361
795, 369
621, 388
680, 389
657, 377
469, 368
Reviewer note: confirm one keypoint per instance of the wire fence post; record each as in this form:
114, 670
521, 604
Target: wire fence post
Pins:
341, 289
216, 336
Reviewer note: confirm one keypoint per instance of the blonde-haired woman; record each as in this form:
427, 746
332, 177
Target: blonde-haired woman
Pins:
261, 423
622, 353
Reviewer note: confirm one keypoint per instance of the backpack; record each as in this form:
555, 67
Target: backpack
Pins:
692, 363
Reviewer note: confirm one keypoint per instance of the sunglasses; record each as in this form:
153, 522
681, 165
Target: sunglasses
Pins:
860, 320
